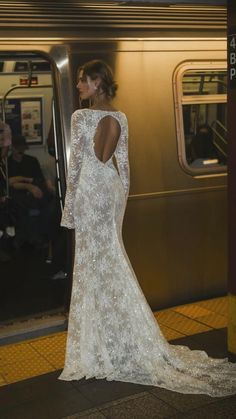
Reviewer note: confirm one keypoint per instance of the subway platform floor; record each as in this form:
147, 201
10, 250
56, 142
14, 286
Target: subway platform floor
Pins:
30, 387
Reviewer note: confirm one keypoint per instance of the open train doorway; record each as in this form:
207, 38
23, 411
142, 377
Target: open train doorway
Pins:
33, 256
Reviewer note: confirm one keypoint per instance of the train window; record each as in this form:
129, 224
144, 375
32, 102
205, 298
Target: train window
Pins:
200, 95
204, 82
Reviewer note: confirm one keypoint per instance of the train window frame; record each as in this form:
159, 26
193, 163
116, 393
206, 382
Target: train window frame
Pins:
180, 100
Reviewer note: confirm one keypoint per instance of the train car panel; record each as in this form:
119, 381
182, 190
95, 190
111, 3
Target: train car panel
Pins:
175, 223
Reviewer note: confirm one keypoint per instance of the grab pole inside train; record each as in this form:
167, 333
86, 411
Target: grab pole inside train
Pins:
232, 173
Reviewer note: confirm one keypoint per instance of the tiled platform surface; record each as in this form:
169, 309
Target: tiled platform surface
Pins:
46, 354
199, 326
46, 397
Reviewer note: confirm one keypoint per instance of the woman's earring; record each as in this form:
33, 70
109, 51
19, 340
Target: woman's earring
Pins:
96, 92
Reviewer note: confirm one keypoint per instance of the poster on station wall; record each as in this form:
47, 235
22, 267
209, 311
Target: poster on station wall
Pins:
24, 115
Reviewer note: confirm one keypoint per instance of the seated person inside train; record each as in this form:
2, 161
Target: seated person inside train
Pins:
6, 213
203, 151
5, 139
29, 193
4, 256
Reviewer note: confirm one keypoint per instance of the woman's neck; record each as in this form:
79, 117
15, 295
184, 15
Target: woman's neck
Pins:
102, 103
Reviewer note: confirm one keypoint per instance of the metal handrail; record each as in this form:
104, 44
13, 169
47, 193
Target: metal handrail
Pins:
219, 136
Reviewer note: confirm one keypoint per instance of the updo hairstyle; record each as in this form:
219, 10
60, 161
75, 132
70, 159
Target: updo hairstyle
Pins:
98, 68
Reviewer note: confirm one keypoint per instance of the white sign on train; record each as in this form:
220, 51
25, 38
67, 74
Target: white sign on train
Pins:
232, 60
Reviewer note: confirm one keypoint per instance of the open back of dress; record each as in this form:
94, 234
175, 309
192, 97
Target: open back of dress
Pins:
106, 138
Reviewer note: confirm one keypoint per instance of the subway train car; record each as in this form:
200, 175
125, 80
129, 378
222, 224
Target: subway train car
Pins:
169, 61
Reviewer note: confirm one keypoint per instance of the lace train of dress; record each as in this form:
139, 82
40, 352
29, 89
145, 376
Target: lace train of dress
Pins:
112, 332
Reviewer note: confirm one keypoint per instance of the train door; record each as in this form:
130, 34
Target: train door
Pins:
33, 257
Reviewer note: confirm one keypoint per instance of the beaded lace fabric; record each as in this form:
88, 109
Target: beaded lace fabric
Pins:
112, 332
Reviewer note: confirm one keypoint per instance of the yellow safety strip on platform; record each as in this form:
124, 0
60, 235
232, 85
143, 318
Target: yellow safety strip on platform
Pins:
39, 356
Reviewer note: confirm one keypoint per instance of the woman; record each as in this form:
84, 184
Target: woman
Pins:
112, 332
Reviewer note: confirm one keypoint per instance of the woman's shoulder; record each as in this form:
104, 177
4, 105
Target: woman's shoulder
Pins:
79, 116
122, 117
88, 112
79, 112
115, 112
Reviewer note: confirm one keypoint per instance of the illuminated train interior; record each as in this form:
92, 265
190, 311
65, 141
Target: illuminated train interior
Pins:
34, 272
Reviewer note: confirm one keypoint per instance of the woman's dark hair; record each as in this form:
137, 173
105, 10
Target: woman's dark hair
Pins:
98, 68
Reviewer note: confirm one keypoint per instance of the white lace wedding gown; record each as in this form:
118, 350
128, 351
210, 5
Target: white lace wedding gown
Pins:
112, 332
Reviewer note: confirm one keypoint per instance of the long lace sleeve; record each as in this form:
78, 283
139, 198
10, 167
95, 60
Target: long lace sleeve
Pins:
75, 162
121, 155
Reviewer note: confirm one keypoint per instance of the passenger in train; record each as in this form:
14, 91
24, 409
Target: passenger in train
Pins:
202, 147
5, 224
29, 194
6, 228
5, 138
112, 332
